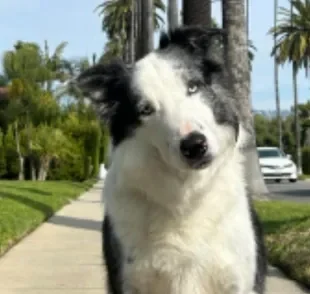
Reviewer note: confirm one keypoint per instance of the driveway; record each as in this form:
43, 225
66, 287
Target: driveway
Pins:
299, 191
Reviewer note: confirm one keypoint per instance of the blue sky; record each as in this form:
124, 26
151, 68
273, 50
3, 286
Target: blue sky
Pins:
76, 22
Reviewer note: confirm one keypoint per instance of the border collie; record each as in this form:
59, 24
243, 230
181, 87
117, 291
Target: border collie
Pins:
178, 219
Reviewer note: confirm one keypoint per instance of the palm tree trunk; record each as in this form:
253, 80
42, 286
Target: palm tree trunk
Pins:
276, 81
173, 14
248, 19
147, 41
138, 28
197, 12
296, 116
296, 120
132, 32
236, 56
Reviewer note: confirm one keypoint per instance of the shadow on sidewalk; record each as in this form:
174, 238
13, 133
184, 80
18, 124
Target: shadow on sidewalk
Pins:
77, 223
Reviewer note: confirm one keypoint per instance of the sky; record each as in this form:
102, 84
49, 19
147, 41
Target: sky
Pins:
77, 23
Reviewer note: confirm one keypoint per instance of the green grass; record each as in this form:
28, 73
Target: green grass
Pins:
24, 205
287, 236
304, 177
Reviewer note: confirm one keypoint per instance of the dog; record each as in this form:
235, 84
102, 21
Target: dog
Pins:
177, 216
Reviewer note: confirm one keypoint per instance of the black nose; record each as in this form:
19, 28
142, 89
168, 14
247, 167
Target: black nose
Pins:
194, 146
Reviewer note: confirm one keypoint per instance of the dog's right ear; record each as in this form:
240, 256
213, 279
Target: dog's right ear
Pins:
104, 85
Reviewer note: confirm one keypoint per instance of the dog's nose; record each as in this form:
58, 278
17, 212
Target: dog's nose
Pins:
194, 146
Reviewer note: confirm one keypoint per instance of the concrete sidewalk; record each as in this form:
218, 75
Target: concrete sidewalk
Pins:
63, 256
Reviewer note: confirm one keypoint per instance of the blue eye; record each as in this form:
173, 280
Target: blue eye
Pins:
193, 87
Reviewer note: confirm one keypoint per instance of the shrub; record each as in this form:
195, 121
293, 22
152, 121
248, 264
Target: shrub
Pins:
2, 156
66, 168
12, 163
87, 166
2, 162
306, 160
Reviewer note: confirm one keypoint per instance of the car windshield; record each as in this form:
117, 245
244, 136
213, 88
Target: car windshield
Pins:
270, 153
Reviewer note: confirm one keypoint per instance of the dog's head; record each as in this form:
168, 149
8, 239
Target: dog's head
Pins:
174, 101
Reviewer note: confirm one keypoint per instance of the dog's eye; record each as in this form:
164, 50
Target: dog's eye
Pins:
192, 87
147, 109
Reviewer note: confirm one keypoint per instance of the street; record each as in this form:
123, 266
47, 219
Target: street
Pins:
299, 191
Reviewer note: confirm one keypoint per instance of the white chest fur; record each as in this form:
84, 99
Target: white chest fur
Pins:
209, 250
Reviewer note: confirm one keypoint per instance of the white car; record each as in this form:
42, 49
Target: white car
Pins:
275, 165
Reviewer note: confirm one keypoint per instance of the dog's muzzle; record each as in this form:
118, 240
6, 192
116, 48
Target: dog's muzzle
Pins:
195, 150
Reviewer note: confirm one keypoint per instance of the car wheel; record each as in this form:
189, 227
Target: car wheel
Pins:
293, 180
278, 180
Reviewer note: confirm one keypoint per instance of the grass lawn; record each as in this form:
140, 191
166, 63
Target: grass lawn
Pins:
304, 177
24, 205
287, 236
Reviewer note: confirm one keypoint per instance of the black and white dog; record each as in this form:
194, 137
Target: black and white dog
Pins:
177, 216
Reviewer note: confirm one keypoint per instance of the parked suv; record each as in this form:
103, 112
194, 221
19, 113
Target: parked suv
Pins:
275, 165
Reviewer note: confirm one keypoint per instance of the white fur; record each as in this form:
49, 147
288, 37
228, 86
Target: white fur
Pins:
188, 231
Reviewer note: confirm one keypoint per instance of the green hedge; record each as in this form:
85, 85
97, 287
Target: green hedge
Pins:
80, 161
306, 160
70, 168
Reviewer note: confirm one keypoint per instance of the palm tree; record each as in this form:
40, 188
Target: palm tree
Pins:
173, 14
147, 30
293, 46
276, 81
54, 64
114, 47
235, 50
72, 69
197, 12
117, 20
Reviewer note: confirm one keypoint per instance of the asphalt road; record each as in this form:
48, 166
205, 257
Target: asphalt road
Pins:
299, 191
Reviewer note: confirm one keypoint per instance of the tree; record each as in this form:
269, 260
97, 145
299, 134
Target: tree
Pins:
251, 48
118, 23
48, 142
304, 116
147, 30
197, 12
293, 46
31, 72
276, 81
235, 50
2, 155
173, 14
113, 48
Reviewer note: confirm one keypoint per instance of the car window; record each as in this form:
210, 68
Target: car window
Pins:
269, 153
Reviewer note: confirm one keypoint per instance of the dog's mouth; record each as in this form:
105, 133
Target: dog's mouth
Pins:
200, 163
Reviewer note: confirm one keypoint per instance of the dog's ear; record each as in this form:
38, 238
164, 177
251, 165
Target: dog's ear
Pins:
195, 39
205, 43
104, 85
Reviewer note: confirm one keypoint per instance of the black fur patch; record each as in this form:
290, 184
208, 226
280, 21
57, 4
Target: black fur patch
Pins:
194, 39
116, 103
113, 257
261, 258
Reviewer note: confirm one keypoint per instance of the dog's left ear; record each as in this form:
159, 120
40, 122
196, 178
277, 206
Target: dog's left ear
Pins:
204, 43
104, 85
